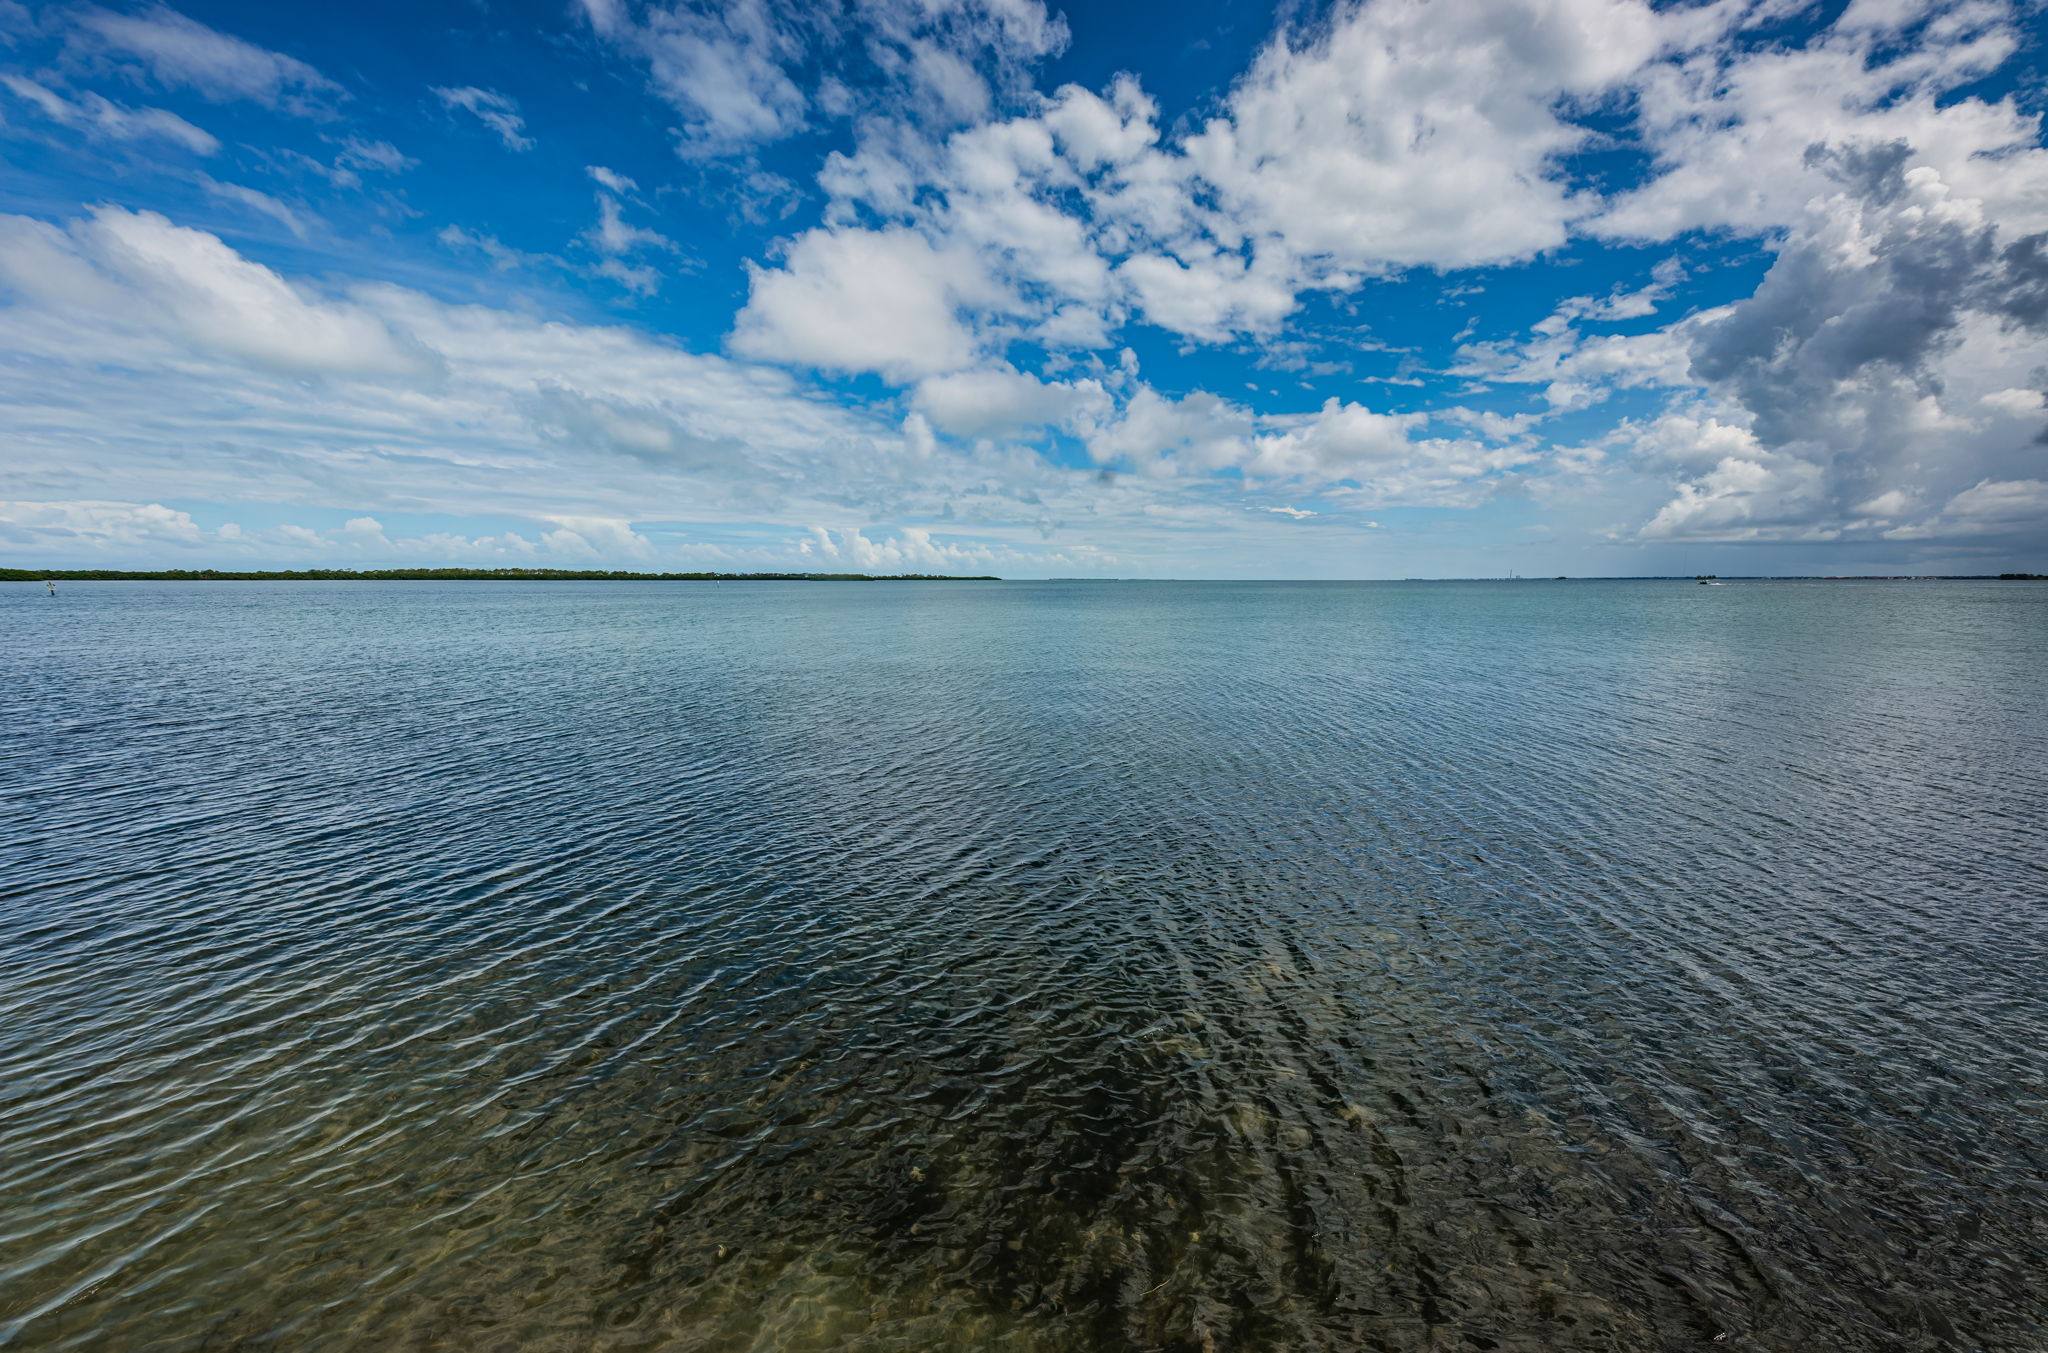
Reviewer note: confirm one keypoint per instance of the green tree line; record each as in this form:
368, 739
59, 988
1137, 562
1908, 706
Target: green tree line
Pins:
458, 575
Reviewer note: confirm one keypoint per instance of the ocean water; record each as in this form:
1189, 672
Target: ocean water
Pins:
1203, 968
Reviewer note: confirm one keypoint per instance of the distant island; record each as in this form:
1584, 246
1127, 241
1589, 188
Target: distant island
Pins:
516, 575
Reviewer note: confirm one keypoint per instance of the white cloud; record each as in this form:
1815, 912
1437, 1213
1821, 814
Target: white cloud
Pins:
914, 550
1380, 458
1745, 500
1340, 441
634, 277
1040, 273
136, 270
501, 256
1095, 132
1401, 135
100, 117
378, 155
614, 235
1409, 133
496, 111
95, 525
617, 240
597, 538
1884, 383
140, 353
865, 300
1577, 370
1995, 507
1732, 127
1396, 135
723, 70
1157, 434
263, 204
1877, 365
1692, 441
63, 533
1002, 400
2015, 403
1209, 294
731, 70
182, 53
1619, 304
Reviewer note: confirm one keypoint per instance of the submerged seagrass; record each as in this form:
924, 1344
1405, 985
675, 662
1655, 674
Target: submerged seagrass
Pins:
1048, 967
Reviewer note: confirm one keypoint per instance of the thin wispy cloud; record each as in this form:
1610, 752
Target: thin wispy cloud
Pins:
181, 53
104, 118
495, 111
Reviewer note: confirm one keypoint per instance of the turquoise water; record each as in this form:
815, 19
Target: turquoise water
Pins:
1534, 966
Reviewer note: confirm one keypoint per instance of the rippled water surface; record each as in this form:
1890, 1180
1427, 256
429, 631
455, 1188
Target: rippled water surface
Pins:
1190, 967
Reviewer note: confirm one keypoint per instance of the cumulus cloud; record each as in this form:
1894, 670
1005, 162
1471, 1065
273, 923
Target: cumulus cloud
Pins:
982, 247
597, 538
94, 526
1000, 401
1883, 363
865, 300
991, 196
136, 270
1730, 125
1128, 426
182, 53
1382, 458
1577, 369
1341, 440
1745, 500
1209, 293
913, 549
496, 111
1409, 133
1988, 507
139, 352
1158, 434
1395, 135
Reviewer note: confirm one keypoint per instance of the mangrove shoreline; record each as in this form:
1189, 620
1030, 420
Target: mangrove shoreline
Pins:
436, 575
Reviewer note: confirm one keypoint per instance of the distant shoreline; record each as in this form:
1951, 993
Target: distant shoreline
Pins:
511, 575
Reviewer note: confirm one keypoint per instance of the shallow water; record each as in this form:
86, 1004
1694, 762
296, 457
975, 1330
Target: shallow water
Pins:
1539, 966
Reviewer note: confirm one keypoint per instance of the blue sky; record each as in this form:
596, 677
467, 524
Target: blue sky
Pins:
1401, 288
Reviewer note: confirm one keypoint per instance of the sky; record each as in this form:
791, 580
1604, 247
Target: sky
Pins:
1402, 288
